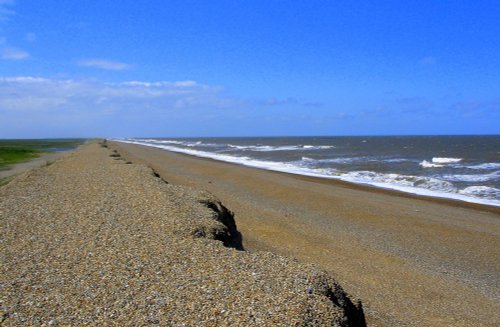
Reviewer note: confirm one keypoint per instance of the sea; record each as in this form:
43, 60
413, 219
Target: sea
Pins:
465, 168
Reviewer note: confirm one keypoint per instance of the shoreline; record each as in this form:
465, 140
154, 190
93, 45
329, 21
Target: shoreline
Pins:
368, 238
335, 181
458, 199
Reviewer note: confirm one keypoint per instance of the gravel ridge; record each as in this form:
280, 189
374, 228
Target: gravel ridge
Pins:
94, 240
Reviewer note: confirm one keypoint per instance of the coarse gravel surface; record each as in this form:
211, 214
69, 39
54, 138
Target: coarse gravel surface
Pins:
93, 240
414, 261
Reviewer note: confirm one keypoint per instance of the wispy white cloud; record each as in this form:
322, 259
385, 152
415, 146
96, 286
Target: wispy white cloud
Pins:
8, 52
160, 84
28, 93
104, 64
477, 108
11, 53
409, 106
290, 101
5, 11
33, 106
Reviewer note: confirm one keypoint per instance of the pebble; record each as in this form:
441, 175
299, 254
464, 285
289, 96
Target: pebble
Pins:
90, 240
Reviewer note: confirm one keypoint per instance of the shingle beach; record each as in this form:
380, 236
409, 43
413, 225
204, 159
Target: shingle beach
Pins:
414, 261
95, 240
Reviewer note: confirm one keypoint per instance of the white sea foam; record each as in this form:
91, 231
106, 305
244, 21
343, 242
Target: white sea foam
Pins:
446, 160
397, 160
170, 142
263, 148
182, 143
481, 192
473, 178
434, 187
201, 144
244, 160
427, 164
438, 162
317, 147
159, 141
333, 160
236, 146
427, 183
268, 148
346, 160
435, 184
484, 166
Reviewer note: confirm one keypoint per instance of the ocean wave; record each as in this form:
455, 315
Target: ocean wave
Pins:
332, 160
481, 192
428, 183
484, 166
262, 148
473, 178
397, 160
318, 147
289, 167
347, 160
429, 186
269, 148
163, 141
198, 143
258, 148
426, 186
427, 164
446, 160
439, 162
237, 146
182, 143
204, 145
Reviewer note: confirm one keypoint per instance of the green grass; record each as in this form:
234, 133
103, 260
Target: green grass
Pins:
15, 151
14, 154
42, 143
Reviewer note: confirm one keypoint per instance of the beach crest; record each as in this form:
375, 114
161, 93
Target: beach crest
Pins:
95, 239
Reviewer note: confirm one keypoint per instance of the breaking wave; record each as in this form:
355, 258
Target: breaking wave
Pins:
436, 186
427, 164
446, 160
473, 178
267, 148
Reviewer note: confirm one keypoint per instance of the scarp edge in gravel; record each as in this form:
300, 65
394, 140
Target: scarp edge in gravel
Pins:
96, 240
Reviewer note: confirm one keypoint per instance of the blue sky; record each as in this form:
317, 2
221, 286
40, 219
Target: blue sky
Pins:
245, 68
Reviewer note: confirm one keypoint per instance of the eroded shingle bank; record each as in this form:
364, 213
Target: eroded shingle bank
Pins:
93, 239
